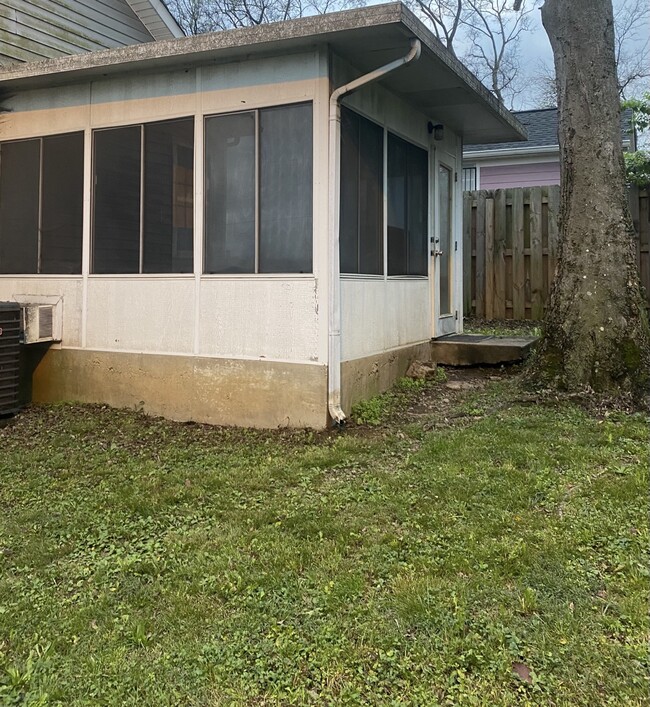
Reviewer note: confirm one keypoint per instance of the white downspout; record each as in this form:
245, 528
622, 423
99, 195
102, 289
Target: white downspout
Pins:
334, 361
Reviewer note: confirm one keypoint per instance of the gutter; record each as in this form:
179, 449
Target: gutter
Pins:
334, 328
546, 151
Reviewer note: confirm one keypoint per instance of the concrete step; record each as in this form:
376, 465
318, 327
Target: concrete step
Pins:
478, 349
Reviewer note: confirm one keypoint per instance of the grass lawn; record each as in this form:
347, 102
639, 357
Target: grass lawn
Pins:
470, 548
502, 327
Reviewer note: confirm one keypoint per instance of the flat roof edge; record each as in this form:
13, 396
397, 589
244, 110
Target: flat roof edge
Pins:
202, 45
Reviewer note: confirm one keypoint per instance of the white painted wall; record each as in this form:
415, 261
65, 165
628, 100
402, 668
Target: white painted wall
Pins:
380, 314
270, 317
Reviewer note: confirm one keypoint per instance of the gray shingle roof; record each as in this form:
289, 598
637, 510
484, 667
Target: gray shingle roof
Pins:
542, 130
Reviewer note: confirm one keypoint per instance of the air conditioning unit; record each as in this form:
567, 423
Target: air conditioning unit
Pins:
41, 323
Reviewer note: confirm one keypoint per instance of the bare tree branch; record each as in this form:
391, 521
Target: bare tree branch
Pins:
631, 50
198, 16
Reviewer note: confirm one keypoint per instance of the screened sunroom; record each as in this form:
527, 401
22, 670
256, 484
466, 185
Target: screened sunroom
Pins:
224, 238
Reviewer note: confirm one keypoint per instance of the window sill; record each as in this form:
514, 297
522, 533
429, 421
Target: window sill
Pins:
40, 276
141, 276
378, 278
257, 276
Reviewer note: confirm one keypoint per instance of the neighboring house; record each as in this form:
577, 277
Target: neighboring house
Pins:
32, 30
217, 245
533, 163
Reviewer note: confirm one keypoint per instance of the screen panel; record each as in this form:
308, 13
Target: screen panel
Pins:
169, 197
230, 202
19, 206
116, 218
62, 204
286, 189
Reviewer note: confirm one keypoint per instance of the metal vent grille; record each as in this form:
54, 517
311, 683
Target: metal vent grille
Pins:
45, 322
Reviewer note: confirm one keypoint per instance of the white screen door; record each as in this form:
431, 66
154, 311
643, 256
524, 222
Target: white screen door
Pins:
444, 249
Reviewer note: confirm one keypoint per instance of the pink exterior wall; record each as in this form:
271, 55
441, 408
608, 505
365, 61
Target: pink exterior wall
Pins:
536, 174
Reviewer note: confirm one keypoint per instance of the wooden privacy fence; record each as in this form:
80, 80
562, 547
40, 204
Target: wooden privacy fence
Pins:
510, 239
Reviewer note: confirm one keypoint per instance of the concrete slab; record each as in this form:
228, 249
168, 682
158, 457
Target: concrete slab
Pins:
478, 349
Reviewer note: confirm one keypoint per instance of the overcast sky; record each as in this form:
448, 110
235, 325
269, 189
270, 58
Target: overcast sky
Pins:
536, 49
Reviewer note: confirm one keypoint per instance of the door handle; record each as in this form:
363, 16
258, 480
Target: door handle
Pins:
437, 252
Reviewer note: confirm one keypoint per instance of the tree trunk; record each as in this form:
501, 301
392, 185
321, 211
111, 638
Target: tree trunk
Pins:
596, 330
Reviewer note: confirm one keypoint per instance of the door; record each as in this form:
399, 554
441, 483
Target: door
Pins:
445, 247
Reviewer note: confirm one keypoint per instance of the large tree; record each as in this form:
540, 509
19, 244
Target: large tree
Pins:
596, 331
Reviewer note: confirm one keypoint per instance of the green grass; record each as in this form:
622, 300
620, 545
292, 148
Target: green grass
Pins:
144, 562
502, 327
382, 408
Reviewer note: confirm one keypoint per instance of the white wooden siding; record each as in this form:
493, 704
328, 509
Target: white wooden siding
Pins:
32, 30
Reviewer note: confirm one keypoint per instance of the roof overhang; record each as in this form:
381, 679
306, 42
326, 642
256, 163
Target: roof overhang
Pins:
437, 84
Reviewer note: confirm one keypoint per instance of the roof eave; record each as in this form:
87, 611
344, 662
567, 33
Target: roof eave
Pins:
273, 37
164, 27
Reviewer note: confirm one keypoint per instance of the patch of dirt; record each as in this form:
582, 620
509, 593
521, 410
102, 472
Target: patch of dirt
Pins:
464, 396
443, 402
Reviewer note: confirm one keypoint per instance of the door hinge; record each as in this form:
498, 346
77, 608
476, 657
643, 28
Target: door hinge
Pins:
456, 315
455, 176
455, 245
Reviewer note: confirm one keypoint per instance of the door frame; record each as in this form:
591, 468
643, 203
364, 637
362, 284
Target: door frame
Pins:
443, 324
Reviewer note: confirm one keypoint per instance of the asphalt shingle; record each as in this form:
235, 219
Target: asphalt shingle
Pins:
542, 130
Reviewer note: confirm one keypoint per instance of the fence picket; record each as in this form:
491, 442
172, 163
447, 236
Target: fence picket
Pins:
480, 264
500, 235
644, 242
553, 233
518, 265
467, 252
489, 258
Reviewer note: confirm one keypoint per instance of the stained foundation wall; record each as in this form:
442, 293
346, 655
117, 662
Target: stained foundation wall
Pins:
265, 394
362, 378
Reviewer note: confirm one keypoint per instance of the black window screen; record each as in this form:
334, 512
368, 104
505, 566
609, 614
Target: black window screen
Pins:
230, 193
144, 198
116, 245
41, 205
407, 186
259, 191
417, 210
286, 186
19, 206
361, 209
62, 204
168, 197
